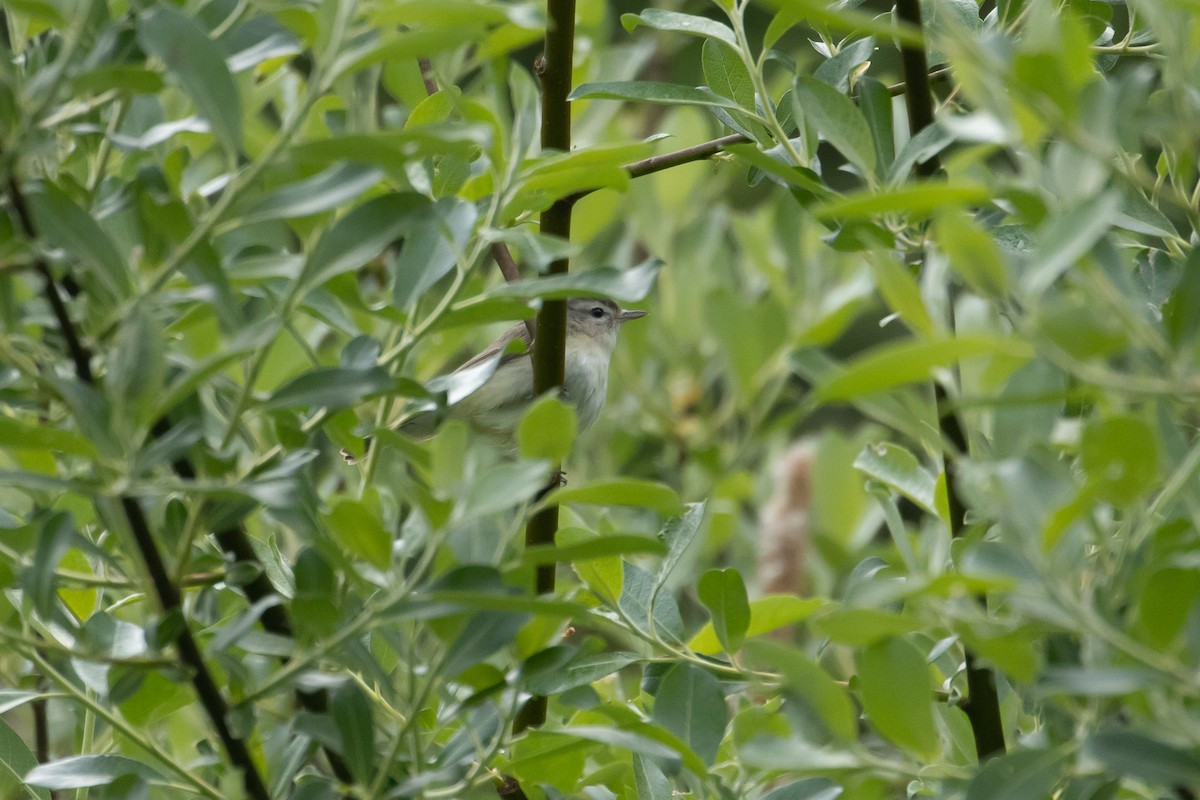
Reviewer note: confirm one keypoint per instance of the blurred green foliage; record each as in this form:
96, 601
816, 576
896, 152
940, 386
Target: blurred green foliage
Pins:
272, 232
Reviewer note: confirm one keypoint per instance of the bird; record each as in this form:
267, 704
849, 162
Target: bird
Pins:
495, 407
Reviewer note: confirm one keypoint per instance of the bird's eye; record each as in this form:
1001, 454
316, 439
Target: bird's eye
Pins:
597, 312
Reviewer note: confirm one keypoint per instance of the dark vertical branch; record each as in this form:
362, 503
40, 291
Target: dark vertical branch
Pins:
167, 593
918, 94
550, 347
41, 730
982, 704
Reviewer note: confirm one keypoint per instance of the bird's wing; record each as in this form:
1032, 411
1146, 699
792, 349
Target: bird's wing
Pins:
518, 331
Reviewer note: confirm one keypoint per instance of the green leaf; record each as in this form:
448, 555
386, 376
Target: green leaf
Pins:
383, 46
1119, 455
649, 781
894, 364
1144, 758
138, 368
875, 102
41, 580
1068, 237
651, 92
807, 789
622, 285
17, 435
835, 115
353, 715
1096, 681
898, 469
360, 236
599, 547
800, 177
691, 705
391, 150
805, 679
577, 672
654, 612
500, 488
1166, 603
329, 189
899, 288
1023, 773
434, 238
624, 739
68, 226
723, 593
15, 761
726, 74
862, 626
690, 24
848, 19
767, 614
915, 201
196, 62
620, 492
484, 634
548, 429
973, 255
81, 772
330, 387
897, 694
359, 530
678, 534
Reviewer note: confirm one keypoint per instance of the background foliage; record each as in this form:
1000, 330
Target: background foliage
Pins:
242, 236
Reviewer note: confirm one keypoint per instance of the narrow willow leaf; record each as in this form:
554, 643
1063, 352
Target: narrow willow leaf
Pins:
690, 24
899, 470
620, 492
805, 679
353, 714
726, 74
1022, 773
330, 387
656, 613
326, 190
914, 200
196, 62
547, 430
723, 593
81, 772
577, 672
651, 92
623, 285
70, 227
360, 236
678, 534
1143, 757
897, 694
16, 760
691, 705
903, 295
767, 614
891, 365
1068, 237
359, 530
807, 789
835, 115
973, 255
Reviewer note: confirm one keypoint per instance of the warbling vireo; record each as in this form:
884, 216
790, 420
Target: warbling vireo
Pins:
496, 407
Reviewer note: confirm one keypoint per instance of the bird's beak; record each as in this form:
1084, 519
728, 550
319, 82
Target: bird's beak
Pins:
625, 316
